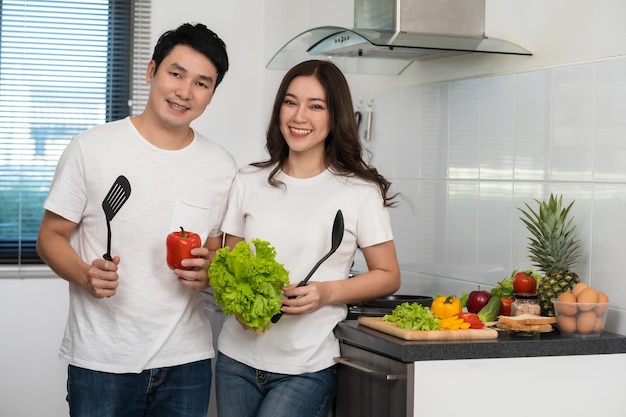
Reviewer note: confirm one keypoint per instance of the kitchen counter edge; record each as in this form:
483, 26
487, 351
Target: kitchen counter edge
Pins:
505, 346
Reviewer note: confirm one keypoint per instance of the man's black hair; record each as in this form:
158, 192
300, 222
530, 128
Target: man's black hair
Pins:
198, 37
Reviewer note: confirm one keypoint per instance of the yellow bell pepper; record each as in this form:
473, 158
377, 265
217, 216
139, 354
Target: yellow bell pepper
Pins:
444, 307
453, 323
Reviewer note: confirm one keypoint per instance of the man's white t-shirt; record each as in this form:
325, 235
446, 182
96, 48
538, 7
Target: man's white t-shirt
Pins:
152, 320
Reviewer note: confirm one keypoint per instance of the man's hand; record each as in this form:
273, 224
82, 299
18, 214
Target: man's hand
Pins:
102, 278
195, 277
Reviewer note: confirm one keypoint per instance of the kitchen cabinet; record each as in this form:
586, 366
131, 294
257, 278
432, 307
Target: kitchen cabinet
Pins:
547, 386
542, 375
372, 385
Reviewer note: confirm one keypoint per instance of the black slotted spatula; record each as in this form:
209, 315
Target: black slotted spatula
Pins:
336, 238
114, 200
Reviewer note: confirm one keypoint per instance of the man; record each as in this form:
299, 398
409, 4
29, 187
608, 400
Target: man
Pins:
138, 340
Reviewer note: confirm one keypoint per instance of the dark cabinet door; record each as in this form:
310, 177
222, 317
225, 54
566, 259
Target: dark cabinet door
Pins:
369, 384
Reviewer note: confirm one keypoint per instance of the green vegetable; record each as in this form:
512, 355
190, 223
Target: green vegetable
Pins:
504, 289
413, 316
490, 311
538, 277
249, 286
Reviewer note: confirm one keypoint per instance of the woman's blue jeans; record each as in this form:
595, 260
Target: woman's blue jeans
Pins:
243, 391
178, 391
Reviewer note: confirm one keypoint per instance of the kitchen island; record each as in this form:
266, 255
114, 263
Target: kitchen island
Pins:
545, 374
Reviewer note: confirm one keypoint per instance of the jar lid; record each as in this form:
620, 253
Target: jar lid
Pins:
526, 295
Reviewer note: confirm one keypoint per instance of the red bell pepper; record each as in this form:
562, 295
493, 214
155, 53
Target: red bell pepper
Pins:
505, 307
179, 246
472, 319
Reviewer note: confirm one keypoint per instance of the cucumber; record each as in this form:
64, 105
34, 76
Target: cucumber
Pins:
490, 311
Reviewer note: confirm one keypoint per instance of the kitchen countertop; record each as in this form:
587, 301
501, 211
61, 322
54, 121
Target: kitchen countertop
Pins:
505, 346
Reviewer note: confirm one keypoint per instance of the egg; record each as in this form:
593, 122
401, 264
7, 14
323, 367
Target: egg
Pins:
586, 322
602, 298
566, 309
599, 325
588, 295
577, 289
566, 324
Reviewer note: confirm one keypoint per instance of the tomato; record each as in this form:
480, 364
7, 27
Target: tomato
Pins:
472, 319
523, 282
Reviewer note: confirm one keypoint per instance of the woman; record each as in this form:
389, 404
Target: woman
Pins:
315, 168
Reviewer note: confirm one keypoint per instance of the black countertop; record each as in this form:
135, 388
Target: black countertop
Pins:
505, 346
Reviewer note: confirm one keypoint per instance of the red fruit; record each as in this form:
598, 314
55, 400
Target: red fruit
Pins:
477, 300
524, 283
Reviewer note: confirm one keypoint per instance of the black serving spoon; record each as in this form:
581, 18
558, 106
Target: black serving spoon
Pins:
337, 237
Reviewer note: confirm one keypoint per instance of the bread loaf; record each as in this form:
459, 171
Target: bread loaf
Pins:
526, 322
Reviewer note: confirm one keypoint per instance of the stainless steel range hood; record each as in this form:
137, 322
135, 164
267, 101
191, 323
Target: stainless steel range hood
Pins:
390, 34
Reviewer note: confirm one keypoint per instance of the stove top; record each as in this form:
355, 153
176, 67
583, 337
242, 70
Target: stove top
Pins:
385, 305
355, 311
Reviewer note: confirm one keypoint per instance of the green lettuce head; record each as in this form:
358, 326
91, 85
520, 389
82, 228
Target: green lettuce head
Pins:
248, 285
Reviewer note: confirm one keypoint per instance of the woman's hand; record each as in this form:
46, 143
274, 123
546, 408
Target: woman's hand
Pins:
308, 298
241, 323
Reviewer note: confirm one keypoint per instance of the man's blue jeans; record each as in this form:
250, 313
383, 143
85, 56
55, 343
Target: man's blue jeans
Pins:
178, 391
243, 391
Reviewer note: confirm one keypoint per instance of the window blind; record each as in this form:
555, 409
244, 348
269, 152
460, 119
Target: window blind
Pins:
65, 66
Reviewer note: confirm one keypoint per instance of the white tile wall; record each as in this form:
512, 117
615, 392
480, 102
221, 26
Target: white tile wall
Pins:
533, 121
573, 117
467, 154
610, 122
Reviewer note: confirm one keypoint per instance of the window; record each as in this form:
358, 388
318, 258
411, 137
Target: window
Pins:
65, 66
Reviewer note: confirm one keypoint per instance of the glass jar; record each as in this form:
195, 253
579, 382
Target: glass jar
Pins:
526, 304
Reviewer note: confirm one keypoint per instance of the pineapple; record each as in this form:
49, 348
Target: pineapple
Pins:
553, 249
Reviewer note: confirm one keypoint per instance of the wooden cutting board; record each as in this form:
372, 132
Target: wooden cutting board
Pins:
377, 323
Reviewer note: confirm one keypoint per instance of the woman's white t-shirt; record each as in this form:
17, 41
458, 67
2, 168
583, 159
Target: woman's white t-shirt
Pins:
297, 220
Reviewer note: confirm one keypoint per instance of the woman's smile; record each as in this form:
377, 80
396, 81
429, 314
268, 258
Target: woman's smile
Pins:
299, 132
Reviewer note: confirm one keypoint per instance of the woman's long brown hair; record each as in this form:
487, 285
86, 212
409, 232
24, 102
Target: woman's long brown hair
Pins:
342, 148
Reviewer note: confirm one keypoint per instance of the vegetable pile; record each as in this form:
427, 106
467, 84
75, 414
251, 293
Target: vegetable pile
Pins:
413, 316
519, 282
249, 286
445, 314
